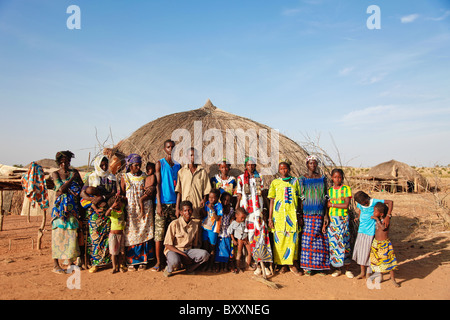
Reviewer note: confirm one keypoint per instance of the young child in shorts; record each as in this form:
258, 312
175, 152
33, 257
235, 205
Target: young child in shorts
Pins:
382, 256
213, 212
224, 248
149, 186
117, 214
239, 237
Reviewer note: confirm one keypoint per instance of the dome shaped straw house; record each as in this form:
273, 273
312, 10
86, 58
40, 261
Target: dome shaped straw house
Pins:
216, 134
396, 176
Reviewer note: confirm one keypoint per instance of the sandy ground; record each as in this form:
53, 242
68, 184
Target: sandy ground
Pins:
420, 240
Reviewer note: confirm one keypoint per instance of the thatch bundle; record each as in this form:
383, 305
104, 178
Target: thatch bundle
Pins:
210, 126
400, 173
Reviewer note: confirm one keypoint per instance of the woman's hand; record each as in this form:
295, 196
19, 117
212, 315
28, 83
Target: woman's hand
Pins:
271, 226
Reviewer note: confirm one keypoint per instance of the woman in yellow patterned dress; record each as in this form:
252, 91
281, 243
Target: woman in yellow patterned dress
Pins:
284, 196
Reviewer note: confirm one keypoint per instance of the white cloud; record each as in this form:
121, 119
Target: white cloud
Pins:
345, 71
291, 12
409, 18
369, 115
444, 16
401, 116
367, 80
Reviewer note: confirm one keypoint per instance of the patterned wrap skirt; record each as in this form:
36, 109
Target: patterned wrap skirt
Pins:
315, 253
382, 256
98, 239
64, 242
339, 241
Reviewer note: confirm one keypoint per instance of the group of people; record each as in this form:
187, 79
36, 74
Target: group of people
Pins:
186, 220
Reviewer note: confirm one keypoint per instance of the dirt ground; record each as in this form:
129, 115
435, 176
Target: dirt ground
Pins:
420, 239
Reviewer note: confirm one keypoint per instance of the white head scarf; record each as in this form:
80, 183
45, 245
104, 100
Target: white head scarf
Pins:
94, 177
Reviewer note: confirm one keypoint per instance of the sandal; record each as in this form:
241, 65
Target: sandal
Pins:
336, 273
155, 269
349, 274
58, 270
93, 269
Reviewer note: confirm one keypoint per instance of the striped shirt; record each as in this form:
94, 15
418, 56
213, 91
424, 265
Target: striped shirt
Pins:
337, 196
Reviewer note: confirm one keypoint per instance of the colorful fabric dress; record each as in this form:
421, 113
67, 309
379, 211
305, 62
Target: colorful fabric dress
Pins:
285, 193
252, 201
224, 248
228, 185
382, 256
338, 229
98, 225
138, 231
314, 248
35, 187
211, 227
65, 215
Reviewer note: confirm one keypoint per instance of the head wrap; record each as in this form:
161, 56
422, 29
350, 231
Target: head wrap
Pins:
133, 158
98, 174
247, 178
222, 161
98, 170
312, 157
285, 160
63, 154
250, 159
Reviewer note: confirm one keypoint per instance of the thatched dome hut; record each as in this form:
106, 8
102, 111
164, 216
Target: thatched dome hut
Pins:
217, 134
400, 174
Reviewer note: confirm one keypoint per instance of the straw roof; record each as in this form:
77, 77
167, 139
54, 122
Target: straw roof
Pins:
396, 170
148, 140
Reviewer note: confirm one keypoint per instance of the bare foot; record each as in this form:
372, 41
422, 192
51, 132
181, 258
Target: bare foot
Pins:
294, 270
395, 283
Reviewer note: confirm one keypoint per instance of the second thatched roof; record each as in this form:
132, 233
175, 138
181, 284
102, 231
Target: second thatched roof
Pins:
398, 171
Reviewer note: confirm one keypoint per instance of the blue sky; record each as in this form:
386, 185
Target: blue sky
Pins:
308, 68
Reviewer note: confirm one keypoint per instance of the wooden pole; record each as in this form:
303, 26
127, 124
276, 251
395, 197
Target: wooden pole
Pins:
1, 210
41, 230
29, 211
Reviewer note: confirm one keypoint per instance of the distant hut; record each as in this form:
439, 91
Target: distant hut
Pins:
394, 176
46, 164
209, 126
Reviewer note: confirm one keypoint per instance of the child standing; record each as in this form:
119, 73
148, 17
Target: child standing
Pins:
366, 230
237, 232
224, 251
149, 187
338, 229
116, 238
382, 256
211, 224
224, 182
